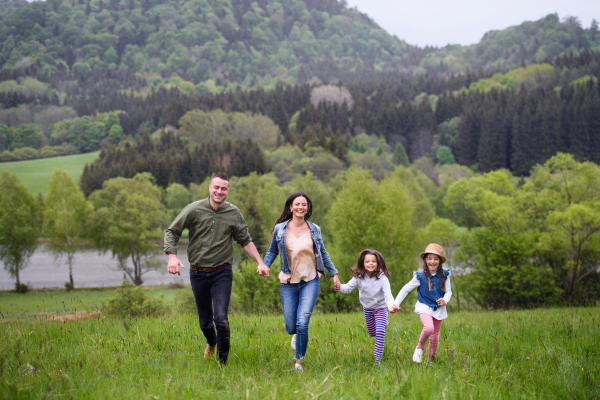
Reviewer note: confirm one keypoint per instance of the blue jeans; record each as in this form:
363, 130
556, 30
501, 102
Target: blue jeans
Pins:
298, 301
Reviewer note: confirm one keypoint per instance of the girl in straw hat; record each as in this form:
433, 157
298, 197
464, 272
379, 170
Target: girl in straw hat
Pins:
433, 293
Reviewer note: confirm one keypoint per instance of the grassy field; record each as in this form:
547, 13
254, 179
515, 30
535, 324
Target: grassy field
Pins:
35, 174
539, 354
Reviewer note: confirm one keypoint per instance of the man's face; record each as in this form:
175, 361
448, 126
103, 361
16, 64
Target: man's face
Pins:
218, 190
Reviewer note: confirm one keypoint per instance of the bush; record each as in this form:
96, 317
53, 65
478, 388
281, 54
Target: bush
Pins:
255, 293
185, 302
132, 301
21, 288
69, 286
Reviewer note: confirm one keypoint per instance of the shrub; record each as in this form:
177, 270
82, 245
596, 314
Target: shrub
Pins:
255, 293
69, 286
131, 301
185, 302
21, 288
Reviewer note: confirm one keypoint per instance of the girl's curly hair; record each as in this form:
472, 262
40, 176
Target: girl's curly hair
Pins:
439, 268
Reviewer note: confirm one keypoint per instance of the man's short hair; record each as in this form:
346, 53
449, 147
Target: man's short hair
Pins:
220, 175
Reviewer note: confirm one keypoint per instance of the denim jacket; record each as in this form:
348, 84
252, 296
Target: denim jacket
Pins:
278, 247
424, 295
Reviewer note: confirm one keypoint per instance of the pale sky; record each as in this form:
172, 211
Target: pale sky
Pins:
439, 22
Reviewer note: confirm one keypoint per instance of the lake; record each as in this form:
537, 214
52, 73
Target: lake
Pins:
91, 269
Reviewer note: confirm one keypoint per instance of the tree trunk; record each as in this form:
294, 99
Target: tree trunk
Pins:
70, 257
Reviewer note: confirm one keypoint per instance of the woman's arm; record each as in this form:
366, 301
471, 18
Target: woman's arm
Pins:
327, 263
349, 287
409, 287
273, 251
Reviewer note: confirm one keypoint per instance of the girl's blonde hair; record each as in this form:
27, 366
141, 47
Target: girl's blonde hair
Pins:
440, 268
359, 270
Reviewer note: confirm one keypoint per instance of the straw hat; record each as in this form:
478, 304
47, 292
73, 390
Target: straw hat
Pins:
433, 248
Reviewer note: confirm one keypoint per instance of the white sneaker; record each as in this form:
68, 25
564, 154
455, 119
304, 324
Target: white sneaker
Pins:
418, 355
293, 344
298, 367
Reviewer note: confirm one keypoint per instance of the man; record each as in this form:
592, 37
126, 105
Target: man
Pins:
212, 224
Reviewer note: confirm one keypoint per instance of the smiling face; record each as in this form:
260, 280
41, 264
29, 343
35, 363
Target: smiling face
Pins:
433, 262
370, 263
218, 190
299, 207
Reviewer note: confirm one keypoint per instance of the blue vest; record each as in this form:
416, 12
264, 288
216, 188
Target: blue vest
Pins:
429, 297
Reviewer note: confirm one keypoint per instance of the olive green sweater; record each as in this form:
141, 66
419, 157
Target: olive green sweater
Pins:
211, 233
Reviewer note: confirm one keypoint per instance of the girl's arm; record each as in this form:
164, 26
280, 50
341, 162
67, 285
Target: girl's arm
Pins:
409, 287
273, 251
448, 294
350, 286
387, 292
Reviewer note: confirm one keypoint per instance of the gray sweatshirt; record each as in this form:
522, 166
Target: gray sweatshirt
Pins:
373, 293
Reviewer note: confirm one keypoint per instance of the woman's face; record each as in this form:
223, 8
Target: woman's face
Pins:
433, 262
299, 207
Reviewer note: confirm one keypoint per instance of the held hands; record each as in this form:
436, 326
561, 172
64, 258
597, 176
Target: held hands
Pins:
263, 270
441, 302
174, 263
336, 282
395, 308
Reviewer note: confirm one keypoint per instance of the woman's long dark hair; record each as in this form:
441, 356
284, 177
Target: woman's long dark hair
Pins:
287, 212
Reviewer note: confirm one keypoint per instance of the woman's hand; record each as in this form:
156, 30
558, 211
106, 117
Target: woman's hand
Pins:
441, 302
336, 282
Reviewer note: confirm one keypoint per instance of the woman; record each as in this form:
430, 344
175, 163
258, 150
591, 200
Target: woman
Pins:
303, 259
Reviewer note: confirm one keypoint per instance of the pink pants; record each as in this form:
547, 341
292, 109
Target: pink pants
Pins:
431, 331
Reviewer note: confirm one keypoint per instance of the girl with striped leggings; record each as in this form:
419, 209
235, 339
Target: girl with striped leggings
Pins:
370, 275
433, 293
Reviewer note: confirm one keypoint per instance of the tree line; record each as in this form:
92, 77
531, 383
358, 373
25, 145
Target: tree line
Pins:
529, 241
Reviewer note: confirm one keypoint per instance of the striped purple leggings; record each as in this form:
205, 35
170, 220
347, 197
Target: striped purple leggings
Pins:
376, 323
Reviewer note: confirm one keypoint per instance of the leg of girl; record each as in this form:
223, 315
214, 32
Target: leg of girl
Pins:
434, 338
427, 321
381, 324
370, 321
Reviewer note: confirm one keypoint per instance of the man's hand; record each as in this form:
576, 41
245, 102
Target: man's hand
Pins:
395, 308
336, 282
174, 264
263, 269
441, 302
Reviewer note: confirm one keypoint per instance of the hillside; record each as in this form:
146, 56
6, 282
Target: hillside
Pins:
208, 43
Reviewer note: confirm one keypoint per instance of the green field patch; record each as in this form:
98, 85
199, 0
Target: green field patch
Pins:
35, 174
537, 354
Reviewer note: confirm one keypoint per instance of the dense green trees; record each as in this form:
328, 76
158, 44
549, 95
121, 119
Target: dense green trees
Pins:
20, 225
126, 217
66, 213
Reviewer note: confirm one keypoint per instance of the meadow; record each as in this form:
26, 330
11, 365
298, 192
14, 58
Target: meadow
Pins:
35, 174
50, 349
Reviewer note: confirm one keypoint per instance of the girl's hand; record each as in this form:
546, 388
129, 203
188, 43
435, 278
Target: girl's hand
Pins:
336, 282
394, 308
441, 302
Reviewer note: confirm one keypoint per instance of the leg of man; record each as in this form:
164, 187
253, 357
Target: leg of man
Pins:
307, 297
380, 324
435, 337
222, 280
201, 285
289, 303
370, 321
427, 321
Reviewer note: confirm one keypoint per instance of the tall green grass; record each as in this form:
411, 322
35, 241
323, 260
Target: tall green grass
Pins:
538, 354
35, 174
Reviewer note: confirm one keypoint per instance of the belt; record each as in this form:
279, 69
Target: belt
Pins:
208, 269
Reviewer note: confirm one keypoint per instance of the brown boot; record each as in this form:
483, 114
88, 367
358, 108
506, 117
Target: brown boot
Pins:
210, 351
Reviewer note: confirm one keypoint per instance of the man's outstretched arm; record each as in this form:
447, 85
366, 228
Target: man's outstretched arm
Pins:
251, 250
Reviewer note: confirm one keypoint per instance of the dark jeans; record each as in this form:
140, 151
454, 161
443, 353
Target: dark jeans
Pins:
212, 291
